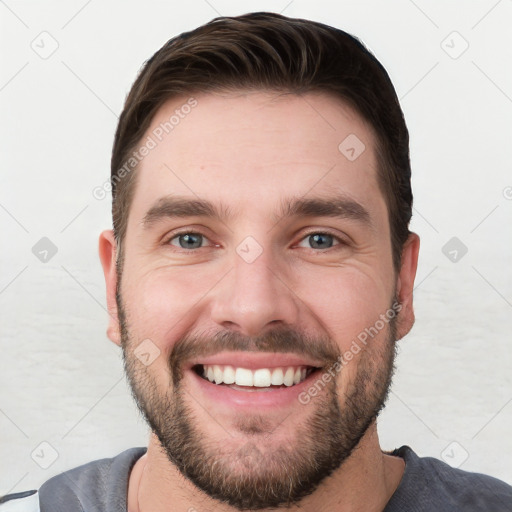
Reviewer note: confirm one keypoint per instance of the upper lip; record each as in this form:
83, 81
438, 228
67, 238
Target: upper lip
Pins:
255, 360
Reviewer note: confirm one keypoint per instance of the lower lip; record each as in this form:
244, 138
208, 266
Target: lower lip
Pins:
252, 396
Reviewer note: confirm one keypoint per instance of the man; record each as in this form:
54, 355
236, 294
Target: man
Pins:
259, 275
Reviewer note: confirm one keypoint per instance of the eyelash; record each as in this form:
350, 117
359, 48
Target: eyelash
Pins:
168, 239
340, 241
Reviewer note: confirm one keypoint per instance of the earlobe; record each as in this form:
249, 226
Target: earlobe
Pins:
108, 254
405, 284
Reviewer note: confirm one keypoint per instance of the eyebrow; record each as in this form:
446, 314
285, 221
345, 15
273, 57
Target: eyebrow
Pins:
334, 207
181, 207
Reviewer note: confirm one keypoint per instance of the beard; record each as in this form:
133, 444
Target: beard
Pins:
253, 475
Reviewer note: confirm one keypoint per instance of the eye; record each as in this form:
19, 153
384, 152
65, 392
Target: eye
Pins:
187, 240
319, 241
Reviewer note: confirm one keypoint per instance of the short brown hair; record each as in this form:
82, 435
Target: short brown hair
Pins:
268, 51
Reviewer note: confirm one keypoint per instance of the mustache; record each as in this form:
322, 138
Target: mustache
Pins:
288, 340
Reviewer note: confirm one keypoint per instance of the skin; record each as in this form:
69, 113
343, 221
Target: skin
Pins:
248, 151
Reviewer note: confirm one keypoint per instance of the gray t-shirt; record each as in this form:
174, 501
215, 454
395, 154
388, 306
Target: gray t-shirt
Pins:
427, 485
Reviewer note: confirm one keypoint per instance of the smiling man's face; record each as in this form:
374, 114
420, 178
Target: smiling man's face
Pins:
256, 252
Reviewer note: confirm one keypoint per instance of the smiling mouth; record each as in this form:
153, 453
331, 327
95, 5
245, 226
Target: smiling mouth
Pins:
247, 379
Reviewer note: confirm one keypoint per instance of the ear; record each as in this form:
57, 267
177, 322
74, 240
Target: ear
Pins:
405, 284
108, 254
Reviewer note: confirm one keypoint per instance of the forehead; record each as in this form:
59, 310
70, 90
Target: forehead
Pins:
249, 149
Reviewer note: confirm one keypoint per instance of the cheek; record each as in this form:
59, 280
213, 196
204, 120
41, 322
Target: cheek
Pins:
161, 302
346, 301
158, 307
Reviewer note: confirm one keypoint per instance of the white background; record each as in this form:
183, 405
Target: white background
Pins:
61, 379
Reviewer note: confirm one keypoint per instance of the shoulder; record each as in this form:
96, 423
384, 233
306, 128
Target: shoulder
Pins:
430, 484
100, 485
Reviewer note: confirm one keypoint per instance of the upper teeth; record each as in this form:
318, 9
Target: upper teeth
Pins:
261, 378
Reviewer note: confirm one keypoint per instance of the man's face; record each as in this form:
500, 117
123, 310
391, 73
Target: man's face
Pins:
290, 271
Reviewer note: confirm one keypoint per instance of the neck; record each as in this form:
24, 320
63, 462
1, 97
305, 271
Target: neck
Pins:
365, 481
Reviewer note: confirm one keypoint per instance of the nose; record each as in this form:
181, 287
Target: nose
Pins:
254, 297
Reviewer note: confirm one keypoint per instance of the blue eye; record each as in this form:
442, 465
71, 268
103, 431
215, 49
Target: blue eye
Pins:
319, 241
188, 240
